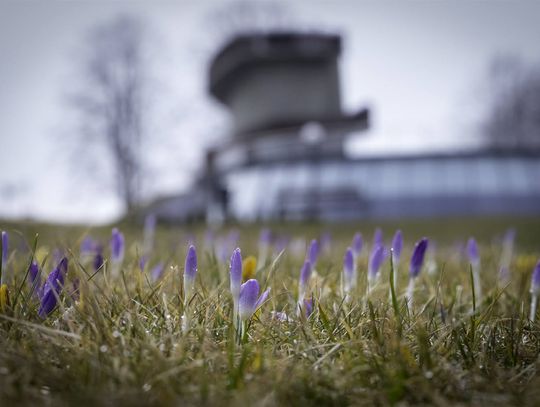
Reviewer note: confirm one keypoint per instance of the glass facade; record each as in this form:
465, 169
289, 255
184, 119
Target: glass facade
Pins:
260, 191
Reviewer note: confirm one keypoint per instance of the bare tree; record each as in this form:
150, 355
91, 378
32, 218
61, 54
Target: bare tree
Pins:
513, 119
110, 99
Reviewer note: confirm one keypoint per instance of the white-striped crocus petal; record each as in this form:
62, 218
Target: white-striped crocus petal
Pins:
235, 272
472, 252
397, 246
313, 252
305, 275
357, 244
190, 272
117, 246
348, 271
375, 262
249, 296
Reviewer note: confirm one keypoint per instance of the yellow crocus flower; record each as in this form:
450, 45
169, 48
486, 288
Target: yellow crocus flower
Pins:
249, 268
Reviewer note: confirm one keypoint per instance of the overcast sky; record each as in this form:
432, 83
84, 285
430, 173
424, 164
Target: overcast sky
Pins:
420, 66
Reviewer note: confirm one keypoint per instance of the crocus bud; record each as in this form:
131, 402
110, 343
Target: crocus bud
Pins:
52, 288
149, 232
34, 278
265, 240
87, 249
308, 306
348, 271
535, 280
326, 242
417, 258
313, 252
117, 246
375, 262
506, 255
305, 275
397, 246
249, 300
190, 272
143, 261
236, 273
378, 238
157, 271
249, 267
98, 259
472, 252
357, 244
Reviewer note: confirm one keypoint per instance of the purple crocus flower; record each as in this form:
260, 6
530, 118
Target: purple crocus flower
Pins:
313, 252
265, 240
281, 244
190, 272
378, 238
326, 242
34, 278
98, 259
142, 261
357, 244
5, 245
348, 271
305, 275
87, 249
506, 255
87, 245
249, 300
117, 246
417, 258
472, 252
535, 280
265, 237
509, 236
375, 262
397, 246
535, 290
149, 232
33, 272
52, 287
235, 273
157, 271
308, 307
474, 259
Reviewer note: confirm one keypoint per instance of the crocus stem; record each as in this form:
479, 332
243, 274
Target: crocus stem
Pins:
366, 297
534, 301
395, 284
396, 268
240, 331
477, 285
235, 312
410, 292
185, 322
115, 269
185, 316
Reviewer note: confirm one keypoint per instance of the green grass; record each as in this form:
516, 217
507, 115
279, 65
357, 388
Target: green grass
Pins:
122, 343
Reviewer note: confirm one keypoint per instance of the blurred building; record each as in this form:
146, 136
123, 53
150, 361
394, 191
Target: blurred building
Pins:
285, 157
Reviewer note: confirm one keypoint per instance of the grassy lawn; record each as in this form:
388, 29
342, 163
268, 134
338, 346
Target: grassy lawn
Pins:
117, 338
